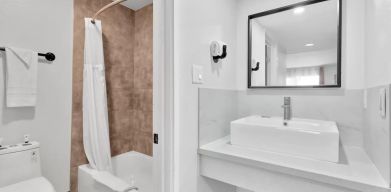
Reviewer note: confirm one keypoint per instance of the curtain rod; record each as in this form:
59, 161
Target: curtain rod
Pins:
105, 8
48, 56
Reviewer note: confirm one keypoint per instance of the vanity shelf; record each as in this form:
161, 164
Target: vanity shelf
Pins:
354, 172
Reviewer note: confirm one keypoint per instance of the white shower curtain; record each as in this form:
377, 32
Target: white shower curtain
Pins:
95, 116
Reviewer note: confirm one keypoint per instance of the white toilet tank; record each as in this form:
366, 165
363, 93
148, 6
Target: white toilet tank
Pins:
19, 163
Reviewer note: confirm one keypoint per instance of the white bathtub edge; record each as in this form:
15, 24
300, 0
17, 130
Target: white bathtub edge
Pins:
86, 183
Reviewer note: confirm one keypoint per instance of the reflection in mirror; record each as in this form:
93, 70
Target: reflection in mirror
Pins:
296, 46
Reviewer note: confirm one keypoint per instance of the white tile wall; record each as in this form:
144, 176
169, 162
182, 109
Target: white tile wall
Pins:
377, 132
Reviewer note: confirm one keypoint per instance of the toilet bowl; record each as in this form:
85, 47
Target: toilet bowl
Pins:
20, 167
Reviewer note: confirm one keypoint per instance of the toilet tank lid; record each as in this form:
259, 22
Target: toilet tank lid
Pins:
18, 147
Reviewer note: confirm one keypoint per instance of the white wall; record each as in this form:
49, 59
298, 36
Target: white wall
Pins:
42, 25
353, 55
311, 59
378, 42
277, 66
197, 23
353, 35
377, 75
258, 54
330, 73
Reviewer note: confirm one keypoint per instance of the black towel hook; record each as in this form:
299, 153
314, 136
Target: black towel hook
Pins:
256, 68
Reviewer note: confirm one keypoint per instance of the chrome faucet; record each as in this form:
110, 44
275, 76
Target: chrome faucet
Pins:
287, 109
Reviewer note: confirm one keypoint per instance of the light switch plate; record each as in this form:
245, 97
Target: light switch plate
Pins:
198, 74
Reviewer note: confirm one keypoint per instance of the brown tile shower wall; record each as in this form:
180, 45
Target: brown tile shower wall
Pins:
143, 80
127, 38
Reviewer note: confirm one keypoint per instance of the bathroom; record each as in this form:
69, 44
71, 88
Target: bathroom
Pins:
56, 119
183, 86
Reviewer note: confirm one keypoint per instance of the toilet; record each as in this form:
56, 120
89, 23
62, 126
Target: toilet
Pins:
21, 169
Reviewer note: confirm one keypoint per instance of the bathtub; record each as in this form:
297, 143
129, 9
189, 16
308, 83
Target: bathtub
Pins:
131, 166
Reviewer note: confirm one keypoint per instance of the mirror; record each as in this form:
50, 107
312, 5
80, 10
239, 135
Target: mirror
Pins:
296, 46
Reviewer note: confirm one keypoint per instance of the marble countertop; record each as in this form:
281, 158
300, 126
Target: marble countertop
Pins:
354, 171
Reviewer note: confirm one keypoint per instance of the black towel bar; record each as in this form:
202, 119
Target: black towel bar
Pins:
48, 56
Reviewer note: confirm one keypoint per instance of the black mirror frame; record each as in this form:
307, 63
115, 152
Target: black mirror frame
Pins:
286, 8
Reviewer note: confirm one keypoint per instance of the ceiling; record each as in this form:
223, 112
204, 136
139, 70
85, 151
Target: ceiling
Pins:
136, 4
318, 24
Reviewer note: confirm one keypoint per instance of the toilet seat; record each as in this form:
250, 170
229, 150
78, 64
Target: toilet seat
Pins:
39, 184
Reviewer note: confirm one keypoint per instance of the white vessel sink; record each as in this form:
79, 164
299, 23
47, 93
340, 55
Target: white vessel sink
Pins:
306, 138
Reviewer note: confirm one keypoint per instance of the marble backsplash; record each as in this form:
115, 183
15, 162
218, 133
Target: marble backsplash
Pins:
217, 108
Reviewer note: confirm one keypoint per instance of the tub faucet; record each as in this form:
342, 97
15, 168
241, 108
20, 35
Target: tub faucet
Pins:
287, 109
131, 189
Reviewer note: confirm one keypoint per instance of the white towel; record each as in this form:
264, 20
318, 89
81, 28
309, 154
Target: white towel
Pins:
21, 77
109, 180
